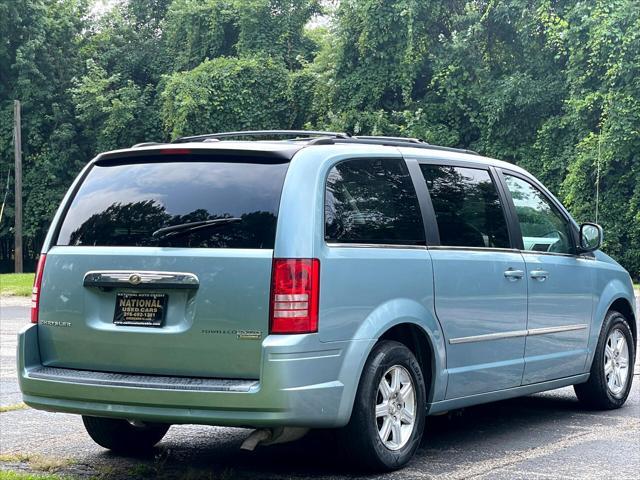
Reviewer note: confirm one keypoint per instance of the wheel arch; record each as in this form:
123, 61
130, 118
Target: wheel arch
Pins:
407, 322
422, 343
416, 339
616, 295
623, 306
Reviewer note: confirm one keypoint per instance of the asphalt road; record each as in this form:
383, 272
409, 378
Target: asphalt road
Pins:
541, 436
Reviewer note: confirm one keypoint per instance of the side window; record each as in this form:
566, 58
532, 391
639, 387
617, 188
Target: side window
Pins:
372, 201
543, 228
467, 206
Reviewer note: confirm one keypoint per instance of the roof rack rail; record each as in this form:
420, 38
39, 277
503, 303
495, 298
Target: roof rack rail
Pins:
146, 144
389, 142
323, 138
262, 133
399, 139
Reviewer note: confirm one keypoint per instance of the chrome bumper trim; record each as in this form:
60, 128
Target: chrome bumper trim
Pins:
109, 379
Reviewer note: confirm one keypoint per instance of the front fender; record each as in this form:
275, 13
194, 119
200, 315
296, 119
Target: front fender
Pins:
614, 290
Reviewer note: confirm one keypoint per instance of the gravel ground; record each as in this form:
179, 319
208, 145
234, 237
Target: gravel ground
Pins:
540, 436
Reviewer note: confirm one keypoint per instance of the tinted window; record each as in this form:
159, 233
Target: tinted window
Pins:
122, 205
467, 207
372, 201
543, 228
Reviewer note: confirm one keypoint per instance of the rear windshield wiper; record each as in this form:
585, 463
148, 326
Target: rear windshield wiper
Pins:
192, 226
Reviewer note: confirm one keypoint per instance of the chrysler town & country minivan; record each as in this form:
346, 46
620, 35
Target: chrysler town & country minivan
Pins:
316, 280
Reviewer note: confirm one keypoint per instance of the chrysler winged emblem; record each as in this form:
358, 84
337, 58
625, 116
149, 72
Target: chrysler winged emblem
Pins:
134, 279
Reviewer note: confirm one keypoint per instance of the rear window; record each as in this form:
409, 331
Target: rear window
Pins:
372, 201
218, 204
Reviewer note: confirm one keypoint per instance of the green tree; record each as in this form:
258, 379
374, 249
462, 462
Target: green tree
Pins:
40, 54
114, 113
276, 28
196, 30
127, 40
226, 94
603, 113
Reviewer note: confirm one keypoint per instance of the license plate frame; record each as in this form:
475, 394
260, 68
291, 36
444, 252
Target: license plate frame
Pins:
140, 309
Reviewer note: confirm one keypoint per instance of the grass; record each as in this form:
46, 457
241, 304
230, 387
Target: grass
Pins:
11, 408
142, 470
11, 475
16, 284
37, 462
15, 457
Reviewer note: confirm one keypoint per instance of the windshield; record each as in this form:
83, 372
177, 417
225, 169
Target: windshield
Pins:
124, 204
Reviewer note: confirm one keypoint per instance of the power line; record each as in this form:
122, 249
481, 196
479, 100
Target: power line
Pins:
598, 174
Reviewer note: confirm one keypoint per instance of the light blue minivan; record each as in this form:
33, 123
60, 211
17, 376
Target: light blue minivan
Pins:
288, 280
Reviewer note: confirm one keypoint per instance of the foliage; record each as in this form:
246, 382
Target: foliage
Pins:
552, 85
604, 75
40, 56
113, 112
226, 94
197, 30
276, 28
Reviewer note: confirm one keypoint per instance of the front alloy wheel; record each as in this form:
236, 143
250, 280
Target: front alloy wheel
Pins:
616, 362
611, 374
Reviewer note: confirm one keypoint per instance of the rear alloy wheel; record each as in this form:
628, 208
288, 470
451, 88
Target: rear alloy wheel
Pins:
389, 410
123, 436
612, 369
396, 408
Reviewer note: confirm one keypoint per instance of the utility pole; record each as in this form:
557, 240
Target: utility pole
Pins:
17, 136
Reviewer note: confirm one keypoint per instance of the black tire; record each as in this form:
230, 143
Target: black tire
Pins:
595, 393
122, 437
360, 437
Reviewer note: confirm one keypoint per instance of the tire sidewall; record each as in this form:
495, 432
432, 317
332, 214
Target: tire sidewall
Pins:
121, 437
614, 321
385, 356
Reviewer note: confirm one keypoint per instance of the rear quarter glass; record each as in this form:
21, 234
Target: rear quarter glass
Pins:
122, 204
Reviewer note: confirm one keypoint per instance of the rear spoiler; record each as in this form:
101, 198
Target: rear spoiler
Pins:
178, 152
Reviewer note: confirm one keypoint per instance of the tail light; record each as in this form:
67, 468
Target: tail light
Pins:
295, 288
37, 285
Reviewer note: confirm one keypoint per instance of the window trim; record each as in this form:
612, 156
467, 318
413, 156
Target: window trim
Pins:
432, 234
552, 201
338, 244
509, 211
513, 245
375, 245
514, 223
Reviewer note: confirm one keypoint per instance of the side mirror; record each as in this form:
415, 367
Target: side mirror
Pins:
590, 237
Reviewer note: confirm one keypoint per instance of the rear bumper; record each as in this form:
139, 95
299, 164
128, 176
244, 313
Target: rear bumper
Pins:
303, 383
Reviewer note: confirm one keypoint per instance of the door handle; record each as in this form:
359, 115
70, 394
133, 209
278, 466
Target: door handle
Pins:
540, 275
513, 275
